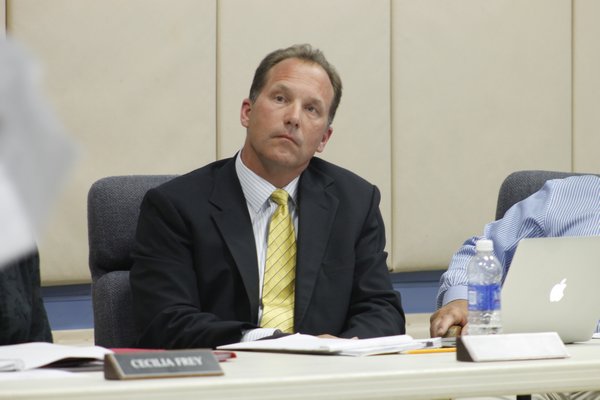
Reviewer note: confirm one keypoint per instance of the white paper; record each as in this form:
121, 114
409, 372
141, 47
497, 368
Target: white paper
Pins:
26, 356
37, 374
300, 343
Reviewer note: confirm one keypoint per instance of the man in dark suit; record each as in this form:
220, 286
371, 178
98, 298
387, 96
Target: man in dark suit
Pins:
202, 238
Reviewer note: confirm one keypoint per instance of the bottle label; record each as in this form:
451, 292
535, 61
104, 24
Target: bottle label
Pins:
484, 297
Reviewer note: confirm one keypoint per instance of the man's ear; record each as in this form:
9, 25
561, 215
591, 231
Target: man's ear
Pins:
325, 139
245, 112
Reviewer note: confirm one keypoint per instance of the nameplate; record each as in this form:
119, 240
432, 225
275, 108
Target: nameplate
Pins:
507, 347
161, 364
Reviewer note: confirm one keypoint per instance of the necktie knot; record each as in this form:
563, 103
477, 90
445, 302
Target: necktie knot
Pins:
280, 197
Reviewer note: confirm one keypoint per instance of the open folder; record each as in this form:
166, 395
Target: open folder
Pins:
299, 343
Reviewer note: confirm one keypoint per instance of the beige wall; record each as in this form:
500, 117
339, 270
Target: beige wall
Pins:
442, 99
586, 86
134, 83
480, 89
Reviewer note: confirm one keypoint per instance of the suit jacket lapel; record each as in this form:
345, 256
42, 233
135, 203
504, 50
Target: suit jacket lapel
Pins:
231, 217
316, 212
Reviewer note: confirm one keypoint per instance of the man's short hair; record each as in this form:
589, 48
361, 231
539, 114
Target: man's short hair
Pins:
303, 52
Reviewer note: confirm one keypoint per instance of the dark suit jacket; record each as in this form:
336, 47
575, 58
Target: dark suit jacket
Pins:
195, 273
23, 316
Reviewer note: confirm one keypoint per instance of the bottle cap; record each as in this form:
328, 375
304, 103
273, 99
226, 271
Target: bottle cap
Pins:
484, 245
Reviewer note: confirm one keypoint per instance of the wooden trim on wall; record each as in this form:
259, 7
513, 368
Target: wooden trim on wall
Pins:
3, 17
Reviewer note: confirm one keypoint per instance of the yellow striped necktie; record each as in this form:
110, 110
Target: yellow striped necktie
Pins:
280, 268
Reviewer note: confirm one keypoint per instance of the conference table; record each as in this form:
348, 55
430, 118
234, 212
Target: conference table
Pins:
256, 375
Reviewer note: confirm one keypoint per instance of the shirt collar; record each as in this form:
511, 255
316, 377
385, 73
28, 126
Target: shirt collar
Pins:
257, 190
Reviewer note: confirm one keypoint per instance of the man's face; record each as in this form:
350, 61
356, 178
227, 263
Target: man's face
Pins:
288, 122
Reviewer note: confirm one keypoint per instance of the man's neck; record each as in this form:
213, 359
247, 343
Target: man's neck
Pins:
275, 175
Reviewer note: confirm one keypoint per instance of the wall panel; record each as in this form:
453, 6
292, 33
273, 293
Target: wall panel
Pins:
133, 82
586, 79
355, 37
441, 99
480, 89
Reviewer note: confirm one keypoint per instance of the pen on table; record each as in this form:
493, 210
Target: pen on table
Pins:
427, 351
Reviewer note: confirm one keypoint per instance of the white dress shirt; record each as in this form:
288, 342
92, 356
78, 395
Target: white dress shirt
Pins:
257, 192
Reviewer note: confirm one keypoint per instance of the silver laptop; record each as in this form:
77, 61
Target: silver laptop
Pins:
553, 285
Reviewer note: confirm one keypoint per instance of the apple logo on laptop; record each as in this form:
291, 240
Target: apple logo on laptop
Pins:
558, 291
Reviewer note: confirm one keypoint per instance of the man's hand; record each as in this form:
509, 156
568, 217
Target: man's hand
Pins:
453, 313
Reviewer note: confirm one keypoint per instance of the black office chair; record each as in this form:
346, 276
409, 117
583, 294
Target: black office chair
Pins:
522, 184
113, 210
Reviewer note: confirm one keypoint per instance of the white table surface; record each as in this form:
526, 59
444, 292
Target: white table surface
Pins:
293, 376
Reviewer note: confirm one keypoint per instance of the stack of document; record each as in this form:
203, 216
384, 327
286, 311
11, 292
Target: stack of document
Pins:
300, 343
26, 356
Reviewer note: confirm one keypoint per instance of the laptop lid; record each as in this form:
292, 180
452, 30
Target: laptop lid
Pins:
553, 284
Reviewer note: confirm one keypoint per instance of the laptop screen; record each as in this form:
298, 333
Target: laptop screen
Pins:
553, 285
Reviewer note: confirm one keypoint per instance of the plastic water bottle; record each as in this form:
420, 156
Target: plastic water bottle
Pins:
485, 280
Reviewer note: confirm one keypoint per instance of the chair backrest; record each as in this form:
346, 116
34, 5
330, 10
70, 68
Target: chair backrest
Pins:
113, 210
521, 184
